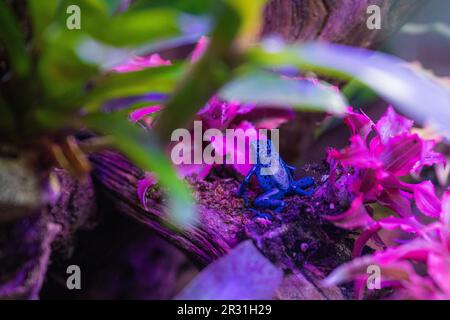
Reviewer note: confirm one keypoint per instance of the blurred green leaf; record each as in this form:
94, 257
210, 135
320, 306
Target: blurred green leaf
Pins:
358, 94
62, 73
251, 14
190, 6
115, 85
113, 5
143, 150
134, 27
12, 39
211, 71
43, 14
265, 89
415, 93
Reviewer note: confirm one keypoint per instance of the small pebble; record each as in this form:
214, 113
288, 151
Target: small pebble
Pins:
304, 247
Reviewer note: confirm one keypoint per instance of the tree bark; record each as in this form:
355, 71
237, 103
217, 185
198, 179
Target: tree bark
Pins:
298, 240
335, 21
26, 244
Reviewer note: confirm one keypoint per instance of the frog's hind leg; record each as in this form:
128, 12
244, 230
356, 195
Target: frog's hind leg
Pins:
269, 200
301, 186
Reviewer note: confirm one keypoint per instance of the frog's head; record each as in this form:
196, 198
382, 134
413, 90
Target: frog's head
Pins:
264, 152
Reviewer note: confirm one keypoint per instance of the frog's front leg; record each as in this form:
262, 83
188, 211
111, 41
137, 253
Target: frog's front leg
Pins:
271, 200
301, 186
244, 183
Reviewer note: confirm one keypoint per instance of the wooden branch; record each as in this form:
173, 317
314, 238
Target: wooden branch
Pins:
27, 244
336, 21
298, 240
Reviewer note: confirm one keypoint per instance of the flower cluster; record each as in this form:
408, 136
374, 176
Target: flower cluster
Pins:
372, 167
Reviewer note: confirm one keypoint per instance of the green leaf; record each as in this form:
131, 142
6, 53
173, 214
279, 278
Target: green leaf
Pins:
358, 94
251, 14
11, 37
43, 14
134, 27
115, 85
190, 6
62, 73
113, 5
208, 74
266, 89
415, 93
142, 148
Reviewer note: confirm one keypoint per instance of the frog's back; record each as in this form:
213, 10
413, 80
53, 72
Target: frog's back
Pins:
279, 179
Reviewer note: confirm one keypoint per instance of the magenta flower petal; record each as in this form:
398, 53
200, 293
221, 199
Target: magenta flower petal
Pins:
439, 270
140, 113
367, 182
445, 209
362, 239
397, 200
200, 49
355, 217
408, 224
400, 154
392, 124
429, 156
359, 123
426, 199
219, 114
139, 63
356, 155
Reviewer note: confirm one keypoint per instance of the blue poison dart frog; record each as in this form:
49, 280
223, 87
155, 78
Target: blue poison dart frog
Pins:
275, 177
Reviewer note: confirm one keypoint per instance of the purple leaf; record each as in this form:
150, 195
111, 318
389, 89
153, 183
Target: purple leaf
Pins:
355, 217
243, 274
139, 63
415, 93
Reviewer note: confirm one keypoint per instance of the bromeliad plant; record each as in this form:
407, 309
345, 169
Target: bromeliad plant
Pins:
370, 171
56, 81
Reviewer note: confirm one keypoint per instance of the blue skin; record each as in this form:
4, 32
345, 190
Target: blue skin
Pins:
276, 185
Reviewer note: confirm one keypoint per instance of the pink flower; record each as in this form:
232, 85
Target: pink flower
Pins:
142, 113
200, 49
355, 217
139, 63
371, 169
419, 269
